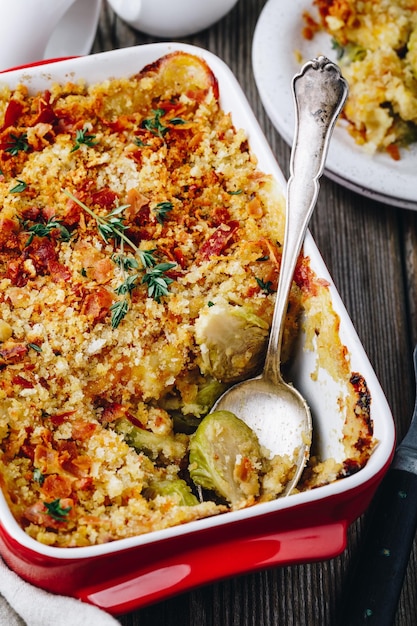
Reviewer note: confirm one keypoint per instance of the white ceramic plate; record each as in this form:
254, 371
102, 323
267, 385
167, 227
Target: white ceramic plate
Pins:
277, 40
74, 35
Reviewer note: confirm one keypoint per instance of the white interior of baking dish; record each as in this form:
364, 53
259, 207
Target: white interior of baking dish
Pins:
322, 394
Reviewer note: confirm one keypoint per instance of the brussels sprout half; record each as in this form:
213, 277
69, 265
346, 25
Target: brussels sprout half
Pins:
176, 487
232, 341
225, 457
154, 445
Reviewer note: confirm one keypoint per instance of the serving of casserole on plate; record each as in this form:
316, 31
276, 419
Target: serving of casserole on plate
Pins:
142, 218
377, 44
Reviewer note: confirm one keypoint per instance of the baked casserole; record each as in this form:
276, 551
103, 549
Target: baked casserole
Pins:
136, 228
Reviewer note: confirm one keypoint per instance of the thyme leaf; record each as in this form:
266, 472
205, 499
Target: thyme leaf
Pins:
154, 124
118, 311
125, 262
156, 280
140, 143
35, 347
17, 143
82, 136
177, 121
127, 286
20, 187
265, 286
161, 211
56, 511
44, 230
110, 226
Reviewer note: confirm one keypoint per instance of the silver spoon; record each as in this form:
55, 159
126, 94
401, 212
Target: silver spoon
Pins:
274, 409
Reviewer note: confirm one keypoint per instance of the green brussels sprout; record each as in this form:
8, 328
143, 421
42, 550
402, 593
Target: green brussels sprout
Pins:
170, 447
187, 415
176, 487
187, 424
207, 394
225, 457
232, 341
208, 390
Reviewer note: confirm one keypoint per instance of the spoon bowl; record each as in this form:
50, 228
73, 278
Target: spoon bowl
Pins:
273, 408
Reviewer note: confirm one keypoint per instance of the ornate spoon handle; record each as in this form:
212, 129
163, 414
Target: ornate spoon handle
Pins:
320, 93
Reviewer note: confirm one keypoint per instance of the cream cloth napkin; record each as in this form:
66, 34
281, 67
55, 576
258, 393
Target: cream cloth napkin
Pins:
22, 604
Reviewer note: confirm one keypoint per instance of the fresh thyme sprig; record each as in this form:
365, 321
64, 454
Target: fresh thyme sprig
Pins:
156, 126
20, 187
44, 230
265, 286
157, 281
17, 143
56, 510
83, 137
161, 211
112, 226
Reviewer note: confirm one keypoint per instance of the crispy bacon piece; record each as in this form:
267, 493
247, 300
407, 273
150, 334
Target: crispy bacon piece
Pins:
22, 382
13, 111
12, 352
83, 430
114, 411
8, 234
58, 271
37, 513
57, 486
15, 271
218, 241
105, 197
45, 258
46, 114
96, 304
102, 272
46, 459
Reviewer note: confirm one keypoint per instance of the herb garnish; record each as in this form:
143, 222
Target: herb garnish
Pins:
161, 211
56, 511
265, 286
20, 187
111, 226
154, 124
35, 347
44, 230
177, 121
235, 193
83, 137
157, 281
119, 311
17, 144
140, 143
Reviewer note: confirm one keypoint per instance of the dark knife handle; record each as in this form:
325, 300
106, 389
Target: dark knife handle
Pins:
373, 595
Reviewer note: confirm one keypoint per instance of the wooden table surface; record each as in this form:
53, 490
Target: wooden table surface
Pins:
371, 252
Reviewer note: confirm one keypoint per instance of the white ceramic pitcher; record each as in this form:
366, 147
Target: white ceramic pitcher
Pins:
171, 18
26, 28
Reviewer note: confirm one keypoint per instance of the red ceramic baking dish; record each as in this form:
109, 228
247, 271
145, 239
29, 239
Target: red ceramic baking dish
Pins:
308, 526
